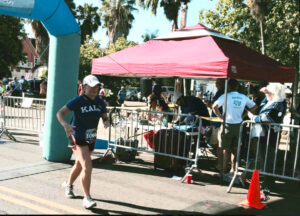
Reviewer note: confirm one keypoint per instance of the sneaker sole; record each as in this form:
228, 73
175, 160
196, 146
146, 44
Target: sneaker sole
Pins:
95, 204
71, 197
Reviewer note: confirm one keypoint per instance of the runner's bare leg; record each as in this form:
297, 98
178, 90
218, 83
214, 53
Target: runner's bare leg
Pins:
84, 157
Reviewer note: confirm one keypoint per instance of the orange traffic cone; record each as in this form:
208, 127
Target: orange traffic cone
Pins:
253, 197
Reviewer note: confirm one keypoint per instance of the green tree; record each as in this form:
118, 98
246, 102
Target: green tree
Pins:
117, 17
281, 29
44, 74
10, 43
89, 50
233, 18
72, 6
120, 44
88, 18
112, 82
41, 34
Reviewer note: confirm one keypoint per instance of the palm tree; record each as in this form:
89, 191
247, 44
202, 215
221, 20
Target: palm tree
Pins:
71, 6
149, 36
117, 17
41, 38
171, 9
258, 10
88, 18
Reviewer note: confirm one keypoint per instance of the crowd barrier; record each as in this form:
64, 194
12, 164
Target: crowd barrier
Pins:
23, 113
148, 131
271, 148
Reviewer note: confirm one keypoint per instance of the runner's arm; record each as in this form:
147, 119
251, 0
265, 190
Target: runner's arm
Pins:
61, 118
105, 120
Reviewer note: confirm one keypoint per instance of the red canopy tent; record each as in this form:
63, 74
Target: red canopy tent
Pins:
193, 52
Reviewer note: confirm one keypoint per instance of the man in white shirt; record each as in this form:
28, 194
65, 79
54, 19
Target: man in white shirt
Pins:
236, 103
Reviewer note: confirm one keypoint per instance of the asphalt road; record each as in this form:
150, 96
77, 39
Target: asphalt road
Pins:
31, 185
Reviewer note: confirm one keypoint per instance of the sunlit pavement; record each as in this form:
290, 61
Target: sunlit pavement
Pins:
31, 185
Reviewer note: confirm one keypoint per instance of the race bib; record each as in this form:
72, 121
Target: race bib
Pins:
91, 135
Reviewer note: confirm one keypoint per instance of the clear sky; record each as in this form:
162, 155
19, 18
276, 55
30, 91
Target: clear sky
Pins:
145, 22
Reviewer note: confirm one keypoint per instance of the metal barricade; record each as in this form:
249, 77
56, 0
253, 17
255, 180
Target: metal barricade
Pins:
271, 148
145, 131
23, 113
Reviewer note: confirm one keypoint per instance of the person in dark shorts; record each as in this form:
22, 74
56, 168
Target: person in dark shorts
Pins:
88, 108
236, 103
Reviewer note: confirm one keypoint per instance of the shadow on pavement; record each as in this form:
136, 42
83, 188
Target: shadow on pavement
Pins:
124, 167
100, 210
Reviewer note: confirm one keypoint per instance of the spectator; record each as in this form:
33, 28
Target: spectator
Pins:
108, 93
79, 87
177, 89
102, 91
236, 103
23, 84
257, 96
163, 107
191, 105
16, 88
2, 87
273, 109
156, 89
216, 132
121, 95
5, 81
5, 87
9, 87
152, 101
295, 114
158, 92
43, 88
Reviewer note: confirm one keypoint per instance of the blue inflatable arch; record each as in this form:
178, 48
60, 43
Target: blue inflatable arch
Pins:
64, 33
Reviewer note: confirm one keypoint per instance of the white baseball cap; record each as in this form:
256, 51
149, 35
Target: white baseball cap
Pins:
90, 80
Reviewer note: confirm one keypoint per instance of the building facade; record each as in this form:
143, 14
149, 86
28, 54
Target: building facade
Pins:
32, 58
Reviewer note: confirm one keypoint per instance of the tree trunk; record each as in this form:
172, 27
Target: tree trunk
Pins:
262, 37
110, 36
174, 25
296, 83
183, 16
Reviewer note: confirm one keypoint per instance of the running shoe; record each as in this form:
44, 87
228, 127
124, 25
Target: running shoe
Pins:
88, 202
68, 190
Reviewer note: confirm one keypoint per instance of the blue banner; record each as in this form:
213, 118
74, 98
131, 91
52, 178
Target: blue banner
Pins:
16, 7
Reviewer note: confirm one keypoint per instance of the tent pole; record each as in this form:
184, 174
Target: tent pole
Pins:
223, 131
184, 87
192, 87
174, 92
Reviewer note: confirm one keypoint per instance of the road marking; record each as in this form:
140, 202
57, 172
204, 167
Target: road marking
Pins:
43, 201
27, 204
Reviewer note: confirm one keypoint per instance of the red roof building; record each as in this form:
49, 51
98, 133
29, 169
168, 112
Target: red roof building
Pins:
25, 69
